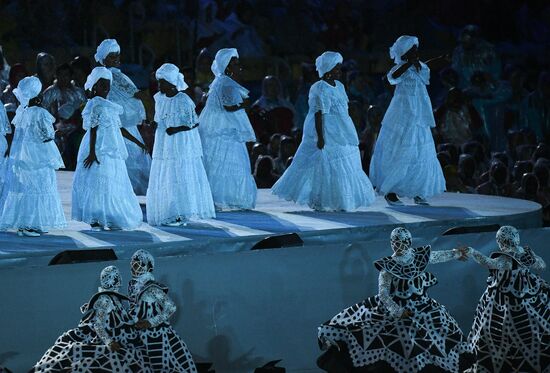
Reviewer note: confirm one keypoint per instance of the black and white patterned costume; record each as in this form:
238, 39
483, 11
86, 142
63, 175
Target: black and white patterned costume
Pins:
166, 351
89, 347
511, 329
401, 327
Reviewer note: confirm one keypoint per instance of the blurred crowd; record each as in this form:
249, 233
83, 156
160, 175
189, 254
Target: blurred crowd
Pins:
491, 101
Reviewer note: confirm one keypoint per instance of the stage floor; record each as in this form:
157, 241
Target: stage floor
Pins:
271, 216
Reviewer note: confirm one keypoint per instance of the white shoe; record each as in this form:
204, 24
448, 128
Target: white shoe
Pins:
421, 201
27, 233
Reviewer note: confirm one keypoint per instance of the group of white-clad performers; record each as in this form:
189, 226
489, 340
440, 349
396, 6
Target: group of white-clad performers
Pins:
200, 164
401, 329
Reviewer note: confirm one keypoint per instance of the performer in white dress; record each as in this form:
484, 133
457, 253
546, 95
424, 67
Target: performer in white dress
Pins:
326, 172
105, 339
30, 200
511, 329
5, 130
178, 186
123, 92
152, 308
102, 192
225, 129
401, 328
404, 161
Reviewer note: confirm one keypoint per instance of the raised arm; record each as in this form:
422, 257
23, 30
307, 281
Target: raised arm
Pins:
401, 70
443, 256
166, 304
384, 286
496, 263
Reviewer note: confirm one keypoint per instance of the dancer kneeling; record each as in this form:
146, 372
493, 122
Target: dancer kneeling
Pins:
30, 200
178, 186
401, 327
152, 309
225, 129
104, 340
511, 329
326, 172
102, 192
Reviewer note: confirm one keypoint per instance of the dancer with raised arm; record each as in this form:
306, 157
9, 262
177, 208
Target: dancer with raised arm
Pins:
178, 186
401, 328
404, 162
225, 129
102, 192
326, 172
511, 329
125, 93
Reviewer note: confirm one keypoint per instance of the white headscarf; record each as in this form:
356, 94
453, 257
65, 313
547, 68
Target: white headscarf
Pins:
106, 47
28, 88
326, 62
172, 75
402, 46
222, 60
96, 74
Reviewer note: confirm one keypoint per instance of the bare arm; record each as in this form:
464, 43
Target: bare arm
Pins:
129, 136
89, 161
244, 105
439, 62
319, 129
401, 70
173, 130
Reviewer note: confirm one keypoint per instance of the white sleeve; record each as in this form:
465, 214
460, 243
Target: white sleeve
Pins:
384, 287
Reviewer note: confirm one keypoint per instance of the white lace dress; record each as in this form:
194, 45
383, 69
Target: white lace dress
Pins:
404, 159
86, 348
331, 179
138, 162
5, 129
166, 350
178, 185
511, 328
373, 331
103, 193
224, 136
30, 199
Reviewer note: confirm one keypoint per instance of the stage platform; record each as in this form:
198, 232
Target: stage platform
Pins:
238, 230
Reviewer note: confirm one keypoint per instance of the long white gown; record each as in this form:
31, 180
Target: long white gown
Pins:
138, 162
330, 179
404, 159
103, 193
224, 136
178, 186
30, 199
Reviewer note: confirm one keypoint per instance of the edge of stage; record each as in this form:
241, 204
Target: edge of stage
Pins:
234, 231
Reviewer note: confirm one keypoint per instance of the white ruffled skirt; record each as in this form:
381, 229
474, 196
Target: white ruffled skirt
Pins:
331, 179
405, 162
30, 200
138, 163
178, 188
228, 168
103, 194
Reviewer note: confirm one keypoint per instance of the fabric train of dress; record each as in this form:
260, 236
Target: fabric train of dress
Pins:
330, 179
103, 193
166, 350
178, 186
511, 329
30, 199
404, 159
373, 335
84, 349
224, 136
138, 162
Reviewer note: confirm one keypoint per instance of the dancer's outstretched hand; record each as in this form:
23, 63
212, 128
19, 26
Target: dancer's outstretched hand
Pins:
463, 252
114, 346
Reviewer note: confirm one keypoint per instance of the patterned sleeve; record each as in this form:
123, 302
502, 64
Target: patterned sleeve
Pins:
188, 115
91, 116
230, 95
443, 256
166, 305
384, 286
501, 263
319, 100
44, 127
103, 307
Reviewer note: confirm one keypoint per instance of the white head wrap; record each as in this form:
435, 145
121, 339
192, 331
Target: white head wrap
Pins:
28, 88
106, 47
326, 62
222, 60
172, 75
110, 279
96, 74
402, 46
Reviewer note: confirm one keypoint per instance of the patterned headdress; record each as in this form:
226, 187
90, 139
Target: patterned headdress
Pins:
401, 240
507, 238
143, 262
110, 279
